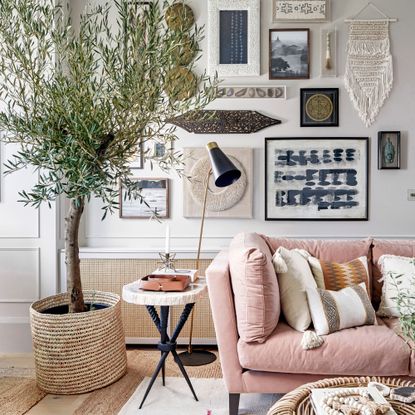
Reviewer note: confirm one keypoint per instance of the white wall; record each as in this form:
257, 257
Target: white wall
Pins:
390, 212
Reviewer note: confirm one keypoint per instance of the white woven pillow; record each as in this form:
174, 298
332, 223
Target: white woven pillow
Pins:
294, 277
337, 310
393, 266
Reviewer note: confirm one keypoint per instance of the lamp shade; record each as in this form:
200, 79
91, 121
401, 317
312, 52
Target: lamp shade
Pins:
224, 171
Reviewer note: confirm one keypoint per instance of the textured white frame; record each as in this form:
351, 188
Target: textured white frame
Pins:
253, 67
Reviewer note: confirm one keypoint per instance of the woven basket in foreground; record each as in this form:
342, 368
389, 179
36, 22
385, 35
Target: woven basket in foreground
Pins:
80, 352
298, 401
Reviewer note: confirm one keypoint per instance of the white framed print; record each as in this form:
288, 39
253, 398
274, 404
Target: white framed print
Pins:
309, 11
234, 42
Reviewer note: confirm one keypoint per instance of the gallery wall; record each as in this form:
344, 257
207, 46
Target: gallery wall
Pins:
390, 212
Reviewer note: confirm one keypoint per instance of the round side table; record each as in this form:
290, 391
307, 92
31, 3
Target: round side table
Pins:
298, 401
131, 293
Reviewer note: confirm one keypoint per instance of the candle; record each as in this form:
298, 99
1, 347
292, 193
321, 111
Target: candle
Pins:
167, 250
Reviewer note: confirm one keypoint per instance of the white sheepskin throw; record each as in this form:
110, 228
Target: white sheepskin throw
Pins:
369, 68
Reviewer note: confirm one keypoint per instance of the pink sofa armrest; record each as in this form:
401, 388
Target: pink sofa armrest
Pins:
224, 318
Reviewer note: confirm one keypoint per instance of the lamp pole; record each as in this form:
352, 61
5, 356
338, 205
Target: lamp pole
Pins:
225, 174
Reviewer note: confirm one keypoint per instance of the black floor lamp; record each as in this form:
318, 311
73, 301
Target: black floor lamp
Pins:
225, 174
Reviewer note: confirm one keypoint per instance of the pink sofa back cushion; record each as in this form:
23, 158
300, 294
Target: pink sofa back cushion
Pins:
328, 250
255, 287
387, 247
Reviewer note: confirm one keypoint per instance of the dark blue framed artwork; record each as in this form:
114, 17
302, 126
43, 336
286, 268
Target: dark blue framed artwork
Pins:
316, 179
233, 37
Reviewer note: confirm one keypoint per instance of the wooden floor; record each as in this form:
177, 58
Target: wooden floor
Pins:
50, 404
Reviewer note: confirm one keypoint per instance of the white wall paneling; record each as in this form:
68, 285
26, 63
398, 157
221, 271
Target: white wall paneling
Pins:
19, 275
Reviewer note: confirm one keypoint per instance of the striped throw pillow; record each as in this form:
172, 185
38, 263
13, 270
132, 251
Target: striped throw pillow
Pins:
335, 276
337, 310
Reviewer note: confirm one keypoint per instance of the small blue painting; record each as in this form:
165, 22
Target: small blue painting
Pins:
233, 42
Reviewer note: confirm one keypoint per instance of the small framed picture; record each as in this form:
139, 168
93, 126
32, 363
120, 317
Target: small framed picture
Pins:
389, 150
155, 192
310, 11
234, 37
289, 54
319, 107
138, 161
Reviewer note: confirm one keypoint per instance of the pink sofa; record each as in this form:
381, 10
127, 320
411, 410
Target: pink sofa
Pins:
277, 363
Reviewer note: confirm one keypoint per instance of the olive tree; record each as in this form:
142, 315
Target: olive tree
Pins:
80, 103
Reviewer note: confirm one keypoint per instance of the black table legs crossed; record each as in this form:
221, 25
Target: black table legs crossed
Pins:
167, 345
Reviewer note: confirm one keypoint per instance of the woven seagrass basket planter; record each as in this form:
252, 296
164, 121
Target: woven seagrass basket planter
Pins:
80, 352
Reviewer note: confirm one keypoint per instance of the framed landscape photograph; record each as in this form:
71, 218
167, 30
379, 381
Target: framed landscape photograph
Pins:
289, 54
389, 150
319, 107
234, 37
310, 11
156, 194
316, 179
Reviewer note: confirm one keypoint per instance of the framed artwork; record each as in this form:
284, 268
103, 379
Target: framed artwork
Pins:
234, 37
155, 191
289, 54
316, 179
244, 92
234, 201
310, 11
319, 107
138, 161
389, 150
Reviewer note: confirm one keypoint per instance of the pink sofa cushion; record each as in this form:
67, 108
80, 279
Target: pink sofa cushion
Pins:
387, 247
361, 351
328, 250
255, 287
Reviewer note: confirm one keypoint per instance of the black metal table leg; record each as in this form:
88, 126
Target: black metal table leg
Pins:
167, 345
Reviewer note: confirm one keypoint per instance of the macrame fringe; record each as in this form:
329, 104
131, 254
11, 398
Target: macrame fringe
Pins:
369, 69
369, 47
369, 105
311, 340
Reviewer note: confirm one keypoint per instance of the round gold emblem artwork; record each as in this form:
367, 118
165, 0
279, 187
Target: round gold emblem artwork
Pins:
319, 107
179, 17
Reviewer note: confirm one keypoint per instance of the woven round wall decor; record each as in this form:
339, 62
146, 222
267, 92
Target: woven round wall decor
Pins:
179, 16
181, 83
219, 199
185, 51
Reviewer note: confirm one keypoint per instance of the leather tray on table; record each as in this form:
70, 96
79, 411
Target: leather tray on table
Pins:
158, 282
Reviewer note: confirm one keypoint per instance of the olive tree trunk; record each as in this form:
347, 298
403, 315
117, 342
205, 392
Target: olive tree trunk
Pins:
73, 270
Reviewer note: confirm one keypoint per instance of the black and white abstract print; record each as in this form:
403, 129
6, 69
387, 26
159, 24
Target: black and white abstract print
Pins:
316, 179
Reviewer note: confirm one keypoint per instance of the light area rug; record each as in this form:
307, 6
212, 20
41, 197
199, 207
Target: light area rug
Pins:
141, 364
176, 399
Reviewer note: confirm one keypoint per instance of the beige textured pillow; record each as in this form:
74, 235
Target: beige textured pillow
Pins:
294, 278
337, 310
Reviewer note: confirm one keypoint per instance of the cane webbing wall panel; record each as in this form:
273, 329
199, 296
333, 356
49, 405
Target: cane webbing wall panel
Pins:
111, 274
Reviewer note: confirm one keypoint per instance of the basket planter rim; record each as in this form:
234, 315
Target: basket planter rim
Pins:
35, 307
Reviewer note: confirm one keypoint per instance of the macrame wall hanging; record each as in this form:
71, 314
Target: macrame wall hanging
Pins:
369, 68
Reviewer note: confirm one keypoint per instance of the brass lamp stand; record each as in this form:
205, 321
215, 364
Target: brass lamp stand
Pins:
225, 174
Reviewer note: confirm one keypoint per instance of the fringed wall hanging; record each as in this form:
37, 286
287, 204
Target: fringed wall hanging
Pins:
369, 68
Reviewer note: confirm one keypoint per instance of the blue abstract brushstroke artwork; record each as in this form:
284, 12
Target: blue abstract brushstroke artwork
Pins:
233, 41
317, 179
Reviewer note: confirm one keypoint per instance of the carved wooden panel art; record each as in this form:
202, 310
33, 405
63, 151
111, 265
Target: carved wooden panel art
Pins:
223, 122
